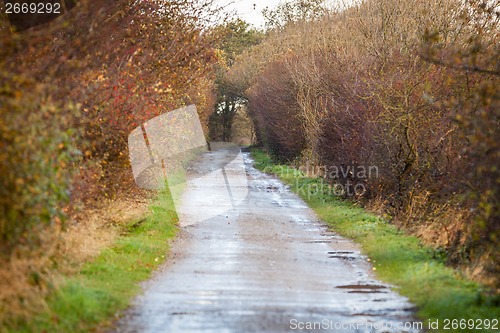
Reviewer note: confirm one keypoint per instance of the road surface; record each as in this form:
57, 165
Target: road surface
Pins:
266, 265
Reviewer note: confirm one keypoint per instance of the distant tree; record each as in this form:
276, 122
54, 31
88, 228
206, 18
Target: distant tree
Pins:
235, 36
292, 11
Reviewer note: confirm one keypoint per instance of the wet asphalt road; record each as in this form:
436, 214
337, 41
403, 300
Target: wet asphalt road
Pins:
266, 265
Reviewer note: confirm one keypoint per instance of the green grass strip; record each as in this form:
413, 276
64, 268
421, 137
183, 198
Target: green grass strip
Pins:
440, 293
105, 286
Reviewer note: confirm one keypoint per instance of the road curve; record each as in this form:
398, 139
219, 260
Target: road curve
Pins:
267, 265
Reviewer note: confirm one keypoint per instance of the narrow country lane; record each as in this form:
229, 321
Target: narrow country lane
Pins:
268, 265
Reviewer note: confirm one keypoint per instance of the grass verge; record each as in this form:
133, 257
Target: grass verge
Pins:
91, 299
440, 293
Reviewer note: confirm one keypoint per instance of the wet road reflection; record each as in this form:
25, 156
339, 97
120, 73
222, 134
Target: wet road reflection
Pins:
267, 265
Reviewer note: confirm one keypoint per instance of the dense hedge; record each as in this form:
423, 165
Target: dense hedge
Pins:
71, 91
410, 88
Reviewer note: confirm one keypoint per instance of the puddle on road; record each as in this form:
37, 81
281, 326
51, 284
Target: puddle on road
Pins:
319, 241
346, 258
344, 255
364, 288
340, 252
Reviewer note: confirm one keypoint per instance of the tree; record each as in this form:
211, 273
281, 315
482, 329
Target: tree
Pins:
235, 36
293, 11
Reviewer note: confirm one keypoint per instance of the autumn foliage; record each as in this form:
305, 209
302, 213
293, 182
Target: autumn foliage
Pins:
410, 87
70, 92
